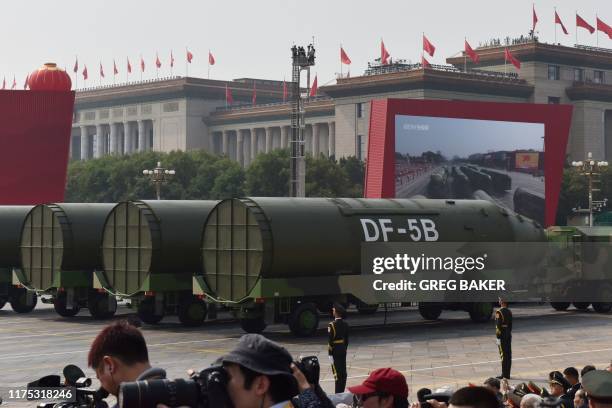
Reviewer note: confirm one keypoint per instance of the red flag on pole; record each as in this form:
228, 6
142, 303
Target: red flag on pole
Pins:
285, 93
129, 66
509, 57
601, 26
558, 21
425, 63
85, 76
142, 64
534, 18
344, 58
211, 59
471, 53
115, 70
254, 98
76, 66
14, 83
315, 87
580, 22
384, 54
428, 47
101, 71
157, 61
171, 60
228, 96
189, 56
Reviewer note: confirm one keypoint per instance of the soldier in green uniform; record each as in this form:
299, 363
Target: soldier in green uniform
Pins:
338, 342
598, 387
503, 333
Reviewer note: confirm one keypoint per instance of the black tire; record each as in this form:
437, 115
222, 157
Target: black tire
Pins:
304, 320
256, 325
18, 300
481, 312
581, 305
192, 312
365, 309
146, 311
430, 311
602, 307
61, 306
101, 305
560, 306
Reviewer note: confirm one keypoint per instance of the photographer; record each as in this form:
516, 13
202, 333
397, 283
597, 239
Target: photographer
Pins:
119, 354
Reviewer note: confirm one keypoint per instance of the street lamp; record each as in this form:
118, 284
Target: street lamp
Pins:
591, 169
158, 176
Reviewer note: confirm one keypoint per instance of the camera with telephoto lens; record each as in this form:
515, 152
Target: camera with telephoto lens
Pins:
205, 389
309, 366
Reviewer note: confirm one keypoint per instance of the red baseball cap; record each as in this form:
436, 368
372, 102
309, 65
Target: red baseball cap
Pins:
383, 380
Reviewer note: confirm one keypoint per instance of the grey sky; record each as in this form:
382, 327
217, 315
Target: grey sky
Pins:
462, 137
252, 38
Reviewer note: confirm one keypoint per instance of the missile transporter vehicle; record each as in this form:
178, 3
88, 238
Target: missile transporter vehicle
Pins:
20, 298
150, 251
60, 249
285, 260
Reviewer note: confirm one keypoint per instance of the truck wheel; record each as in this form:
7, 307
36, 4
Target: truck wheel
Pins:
101, 305
365, 309
192, 312
60, 304
146, 311
304, 320
256, 325
19, 300
481, 312
602, 307
430, 311
581, 305
560, 306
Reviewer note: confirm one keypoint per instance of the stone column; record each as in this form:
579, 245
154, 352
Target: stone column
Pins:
225, 143
100, 142
315, 140
239, 148
142, 137
253, 143
114, 145
285, 136
268, 139
127, 138
84, 143
331, 139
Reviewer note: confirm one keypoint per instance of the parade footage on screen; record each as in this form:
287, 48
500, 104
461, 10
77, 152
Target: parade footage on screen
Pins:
451, 158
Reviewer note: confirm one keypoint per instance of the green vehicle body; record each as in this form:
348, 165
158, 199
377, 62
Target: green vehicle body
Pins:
150, 252
60, 249
270, 257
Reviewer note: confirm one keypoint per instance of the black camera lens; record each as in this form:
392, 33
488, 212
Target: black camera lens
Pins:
149, 393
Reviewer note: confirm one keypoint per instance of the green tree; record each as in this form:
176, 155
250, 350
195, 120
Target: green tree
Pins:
268, 175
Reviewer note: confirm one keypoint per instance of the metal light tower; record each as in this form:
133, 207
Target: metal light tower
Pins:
302, 60
591, 169
158, 176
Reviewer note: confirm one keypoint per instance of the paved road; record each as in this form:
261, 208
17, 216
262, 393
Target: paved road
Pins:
417, 186
451, 351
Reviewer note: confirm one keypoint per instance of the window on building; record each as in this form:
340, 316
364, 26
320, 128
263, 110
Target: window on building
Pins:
598, 77
359, 108
578, 74
554, 72
360, 147
554, 100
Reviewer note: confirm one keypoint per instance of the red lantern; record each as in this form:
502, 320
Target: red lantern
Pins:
49, 78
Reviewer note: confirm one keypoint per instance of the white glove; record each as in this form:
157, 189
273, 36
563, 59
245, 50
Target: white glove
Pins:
498, 342
331, 359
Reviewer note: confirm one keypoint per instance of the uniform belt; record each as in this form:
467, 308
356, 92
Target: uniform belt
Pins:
504, 325
338, 342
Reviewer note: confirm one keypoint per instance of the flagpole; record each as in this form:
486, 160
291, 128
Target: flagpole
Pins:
464, 55
171, 63
555, 25
597, 31
576, 20
76, 74
208, 74
186, 63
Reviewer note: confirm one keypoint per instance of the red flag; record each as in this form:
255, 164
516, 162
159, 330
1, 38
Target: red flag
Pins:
254, 98
425, 63
534, 18
76, 66
285, 93
384, 54
142, 64
101, 71
211, 59
115, 70
580, 22
189, 56
85, 76
315, 87
344, 58
171, 60
558, 21
471, 53
14, 83
509, 57
601, 26
157, 61
228, 95
129, 66
428, 47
